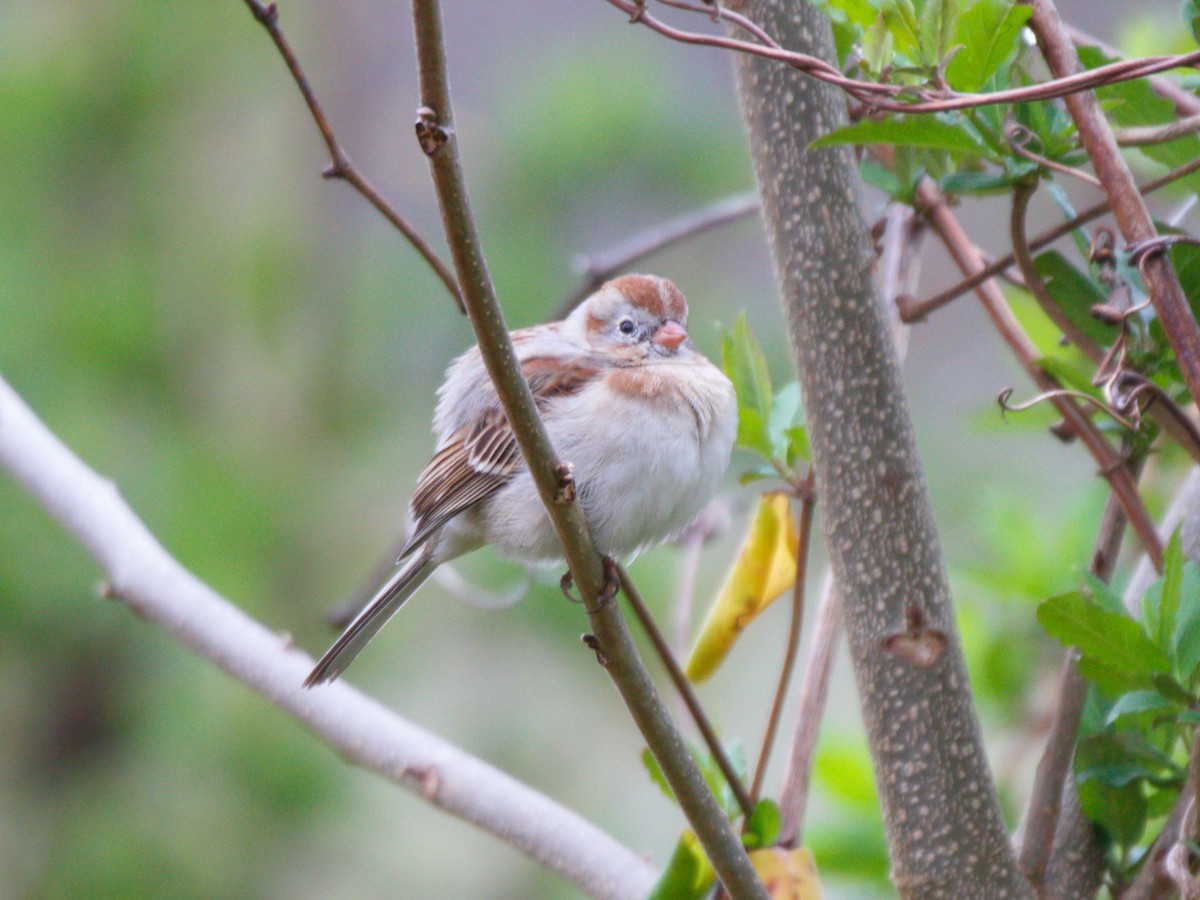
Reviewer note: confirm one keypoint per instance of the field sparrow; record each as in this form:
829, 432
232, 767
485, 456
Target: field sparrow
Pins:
646, 422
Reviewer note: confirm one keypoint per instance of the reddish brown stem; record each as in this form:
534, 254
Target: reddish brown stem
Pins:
1128, 207
340, 165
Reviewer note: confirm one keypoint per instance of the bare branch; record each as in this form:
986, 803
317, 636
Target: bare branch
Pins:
340, 165
879, 96
1148, 135
610, 637
157, 588
814, 690
599, 267
914, 311
804, 531
709, 734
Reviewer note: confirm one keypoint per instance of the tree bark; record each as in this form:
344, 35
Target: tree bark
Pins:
945, 833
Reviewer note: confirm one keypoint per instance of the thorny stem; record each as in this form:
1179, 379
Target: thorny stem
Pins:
915, 311
340, 165
599, 267
879, 96
1054, 767
804, 519
610, 636
1112, 467
1128, 206
683, 686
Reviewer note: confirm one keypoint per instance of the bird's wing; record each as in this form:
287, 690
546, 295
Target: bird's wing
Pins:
476, 461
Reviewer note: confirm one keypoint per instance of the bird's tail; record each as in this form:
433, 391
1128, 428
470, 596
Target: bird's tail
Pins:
386, 602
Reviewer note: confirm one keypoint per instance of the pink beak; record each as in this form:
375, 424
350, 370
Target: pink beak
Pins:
670, 335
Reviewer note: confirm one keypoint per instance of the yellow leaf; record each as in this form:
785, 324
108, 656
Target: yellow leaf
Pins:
764, 570
787, 874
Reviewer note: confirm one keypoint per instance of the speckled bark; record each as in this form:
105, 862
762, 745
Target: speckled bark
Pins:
944, 829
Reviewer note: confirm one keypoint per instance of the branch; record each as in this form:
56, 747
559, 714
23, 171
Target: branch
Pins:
1148, 135
744, 800
945, 833
814, 691
879, 96
1128, 206
597, 268
155, 587
1054, 774
611, 638
340, 165
804, 531
1111, 466
915, 311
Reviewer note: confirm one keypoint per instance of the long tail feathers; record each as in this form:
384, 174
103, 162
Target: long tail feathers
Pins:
386, 602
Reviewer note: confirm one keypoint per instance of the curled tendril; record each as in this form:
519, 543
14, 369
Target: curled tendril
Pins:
1006, 406
1020, 138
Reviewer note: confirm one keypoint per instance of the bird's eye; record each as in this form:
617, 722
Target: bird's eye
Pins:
627, 326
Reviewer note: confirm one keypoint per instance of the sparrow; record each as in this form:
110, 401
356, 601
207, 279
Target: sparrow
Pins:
645, 421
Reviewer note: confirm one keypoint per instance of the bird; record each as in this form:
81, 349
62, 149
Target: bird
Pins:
644, 420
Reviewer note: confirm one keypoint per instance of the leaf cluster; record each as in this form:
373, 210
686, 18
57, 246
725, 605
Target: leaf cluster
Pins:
1138, 725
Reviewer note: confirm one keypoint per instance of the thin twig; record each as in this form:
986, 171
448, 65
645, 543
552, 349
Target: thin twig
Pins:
804, 516
599, 267
1054, 768
915, 311
880, 96
744, 800
610, 636
1149, 135
340, 165
966, 255
814, 691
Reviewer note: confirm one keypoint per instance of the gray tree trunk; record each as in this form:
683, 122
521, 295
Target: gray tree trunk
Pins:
945, 833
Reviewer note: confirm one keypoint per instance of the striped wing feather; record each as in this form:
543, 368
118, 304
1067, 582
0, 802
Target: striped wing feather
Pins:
476, 462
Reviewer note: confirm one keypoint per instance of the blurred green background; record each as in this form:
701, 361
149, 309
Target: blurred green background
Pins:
251, 354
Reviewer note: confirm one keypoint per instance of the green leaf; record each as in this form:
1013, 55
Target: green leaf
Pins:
1136, 704
938, 19
1168, 603
908, 131
763, 827
971, 182
785, 407
1190, 11
746, 367
650, 764
797, 445
1187, 626
1075, 294
1121, 812
878, 46
1107, 641
902, 22
688, 875
988, 34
